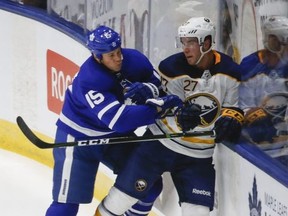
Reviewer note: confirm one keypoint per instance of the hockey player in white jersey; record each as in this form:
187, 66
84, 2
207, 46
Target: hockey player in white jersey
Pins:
264, 89
207, 82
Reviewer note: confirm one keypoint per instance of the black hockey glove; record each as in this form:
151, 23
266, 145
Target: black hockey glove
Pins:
188, 117
228, 126
165, 104
140, 92
259, 126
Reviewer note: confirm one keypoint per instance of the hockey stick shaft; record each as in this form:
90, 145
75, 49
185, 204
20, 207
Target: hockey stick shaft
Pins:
113, 140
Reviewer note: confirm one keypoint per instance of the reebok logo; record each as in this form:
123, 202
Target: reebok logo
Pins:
60, 73
201, 192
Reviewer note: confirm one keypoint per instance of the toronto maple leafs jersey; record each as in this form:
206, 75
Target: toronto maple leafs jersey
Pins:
94, 102
212, 89
265, 87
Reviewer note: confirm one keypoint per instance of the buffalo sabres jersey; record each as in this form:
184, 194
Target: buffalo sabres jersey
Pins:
94, 102
265, 87
211, 89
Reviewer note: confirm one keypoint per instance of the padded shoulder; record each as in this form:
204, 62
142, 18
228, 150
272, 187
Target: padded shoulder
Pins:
136, 66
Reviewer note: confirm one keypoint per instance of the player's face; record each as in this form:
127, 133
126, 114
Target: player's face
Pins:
273, 43
191, 49
278, 47
113, 60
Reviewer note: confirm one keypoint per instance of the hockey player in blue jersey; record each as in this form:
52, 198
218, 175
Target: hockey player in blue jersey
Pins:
207, 81
94, 106
264, 89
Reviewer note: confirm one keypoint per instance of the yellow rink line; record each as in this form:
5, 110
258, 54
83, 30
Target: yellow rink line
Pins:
12, 139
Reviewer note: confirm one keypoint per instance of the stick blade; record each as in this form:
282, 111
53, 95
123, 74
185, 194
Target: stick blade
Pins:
29, 134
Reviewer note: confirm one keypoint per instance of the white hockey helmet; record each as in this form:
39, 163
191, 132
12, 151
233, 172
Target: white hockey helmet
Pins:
199, 27
278, 26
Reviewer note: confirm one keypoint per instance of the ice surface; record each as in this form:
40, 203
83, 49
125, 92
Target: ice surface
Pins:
25, 187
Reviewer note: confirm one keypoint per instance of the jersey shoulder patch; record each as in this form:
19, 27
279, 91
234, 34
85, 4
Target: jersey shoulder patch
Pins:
224, 64
93, 75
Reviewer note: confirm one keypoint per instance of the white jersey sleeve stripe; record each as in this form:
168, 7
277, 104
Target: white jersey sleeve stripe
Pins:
83, 130
105, 109
115, 118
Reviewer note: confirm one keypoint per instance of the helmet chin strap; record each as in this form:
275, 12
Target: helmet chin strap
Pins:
202, 54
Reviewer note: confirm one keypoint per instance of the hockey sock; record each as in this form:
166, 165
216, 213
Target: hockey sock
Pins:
103, 211
189, 209
61, 209
116, 203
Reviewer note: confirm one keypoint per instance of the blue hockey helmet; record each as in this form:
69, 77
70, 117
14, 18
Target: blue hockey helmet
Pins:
103, 40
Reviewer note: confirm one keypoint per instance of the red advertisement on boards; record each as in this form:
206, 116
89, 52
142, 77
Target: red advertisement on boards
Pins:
60, 73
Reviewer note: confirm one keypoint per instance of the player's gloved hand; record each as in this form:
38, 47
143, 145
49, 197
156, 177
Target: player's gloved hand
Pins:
188, 117
165, 104
228, 126
259, 126
139, 92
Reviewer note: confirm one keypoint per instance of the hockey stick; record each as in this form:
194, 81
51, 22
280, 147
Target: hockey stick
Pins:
112, 140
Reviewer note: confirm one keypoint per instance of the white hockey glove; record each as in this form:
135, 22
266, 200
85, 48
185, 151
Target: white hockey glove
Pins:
165, 104
140, 92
